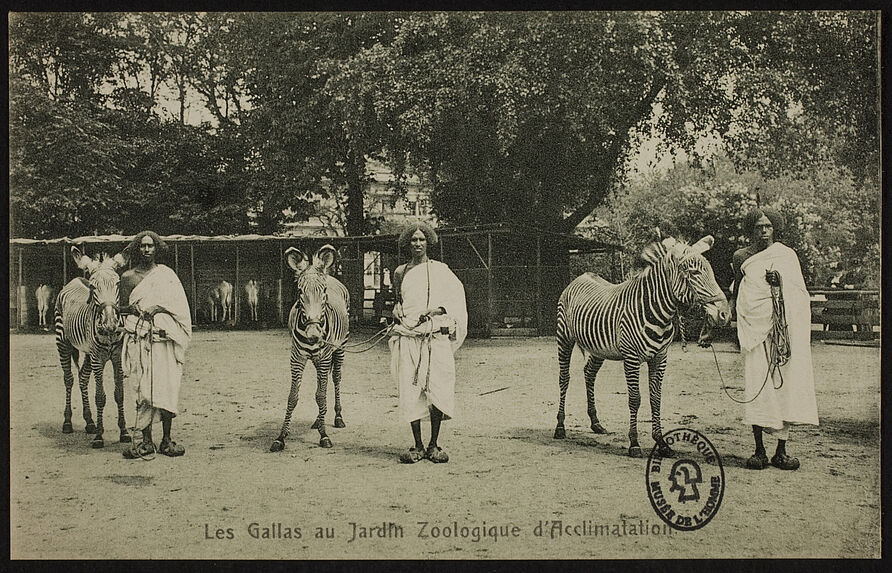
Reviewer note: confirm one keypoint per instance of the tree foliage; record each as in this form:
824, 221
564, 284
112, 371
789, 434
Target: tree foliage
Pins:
831, 221
525, 117
532, 117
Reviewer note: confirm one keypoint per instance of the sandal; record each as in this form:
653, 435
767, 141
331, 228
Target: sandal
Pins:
784, 462
436, 455
140, 451
172, 449
757, 462
412, 456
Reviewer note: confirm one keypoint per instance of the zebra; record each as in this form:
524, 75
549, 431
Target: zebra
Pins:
633, 322
86, 323
319, 325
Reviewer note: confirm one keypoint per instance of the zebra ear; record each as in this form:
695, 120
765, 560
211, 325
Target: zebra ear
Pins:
296, 259
669, 242
120, 260
702, 245
325, 258
83, 262
653, 253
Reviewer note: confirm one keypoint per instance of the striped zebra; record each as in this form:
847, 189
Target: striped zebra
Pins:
86, 322
319, 326
633, 322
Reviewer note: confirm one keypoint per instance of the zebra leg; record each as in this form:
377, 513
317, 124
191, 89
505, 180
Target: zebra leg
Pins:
98, 363
655, 369
591, 371
322, 368
119, 391
565, 351
298, 362
632, 367
336, 363
84, 381
65, 351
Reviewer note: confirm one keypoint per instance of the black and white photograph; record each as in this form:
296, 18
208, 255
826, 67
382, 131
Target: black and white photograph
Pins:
445, 285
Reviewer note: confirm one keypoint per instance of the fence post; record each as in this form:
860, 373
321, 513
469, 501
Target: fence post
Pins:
192, 275
490, 310
539, 301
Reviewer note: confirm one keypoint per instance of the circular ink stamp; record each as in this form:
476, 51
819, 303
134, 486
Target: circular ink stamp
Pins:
686, 491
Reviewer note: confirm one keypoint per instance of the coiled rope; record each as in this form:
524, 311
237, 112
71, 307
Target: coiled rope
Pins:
776, 346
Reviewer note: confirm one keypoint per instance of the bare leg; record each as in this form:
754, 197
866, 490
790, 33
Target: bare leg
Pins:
436, 419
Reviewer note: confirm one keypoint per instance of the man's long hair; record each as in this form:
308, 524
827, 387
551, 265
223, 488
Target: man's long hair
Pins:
405, 240
160, 245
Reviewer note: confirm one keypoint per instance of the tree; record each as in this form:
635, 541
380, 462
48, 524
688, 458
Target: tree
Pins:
831, 221
524, 117
311, 121
531, 117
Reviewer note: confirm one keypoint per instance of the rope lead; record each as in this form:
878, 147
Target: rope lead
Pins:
776, 347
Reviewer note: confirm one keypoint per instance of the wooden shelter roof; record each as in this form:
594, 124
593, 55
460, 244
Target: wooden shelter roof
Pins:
384, 243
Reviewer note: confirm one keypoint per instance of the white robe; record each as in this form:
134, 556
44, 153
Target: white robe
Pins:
424, 366
157, 381
794, 401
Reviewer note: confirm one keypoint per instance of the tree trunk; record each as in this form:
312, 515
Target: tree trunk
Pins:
355, 170
600, 189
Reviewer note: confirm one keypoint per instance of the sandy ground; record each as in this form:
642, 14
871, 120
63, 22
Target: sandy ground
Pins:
506, 470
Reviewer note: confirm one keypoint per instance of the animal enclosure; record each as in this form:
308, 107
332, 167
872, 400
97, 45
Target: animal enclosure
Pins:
512, 277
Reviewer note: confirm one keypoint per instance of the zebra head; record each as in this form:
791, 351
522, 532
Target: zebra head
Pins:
692, 278
103, 285
311, 276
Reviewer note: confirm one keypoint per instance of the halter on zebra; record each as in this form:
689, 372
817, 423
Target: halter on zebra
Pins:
86, 321
633, 322
319, 326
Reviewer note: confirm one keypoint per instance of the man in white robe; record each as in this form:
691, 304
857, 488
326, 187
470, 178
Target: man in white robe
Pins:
158, 328
432, 325
779, 395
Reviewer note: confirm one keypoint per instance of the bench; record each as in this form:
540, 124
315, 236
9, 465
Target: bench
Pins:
854, 311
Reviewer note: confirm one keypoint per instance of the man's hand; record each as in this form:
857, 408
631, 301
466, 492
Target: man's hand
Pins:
398, 312
773, 278
150, 312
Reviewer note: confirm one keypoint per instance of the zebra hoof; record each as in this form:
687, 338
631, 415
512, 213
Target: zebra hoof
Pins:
598, 428
125, 437
67, 428
560, 433
317, 424
339, 422
635, 452
91, 428
277, 446
97, 443
665, 451
325, 442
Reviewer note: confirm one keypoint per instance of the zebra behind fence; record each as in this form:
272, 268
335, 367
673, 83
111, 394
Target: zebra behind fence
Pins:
319, 326
86, 321
633, 322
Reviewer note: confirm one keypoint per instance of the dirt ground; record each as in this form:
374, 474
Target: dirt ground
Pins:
506, 476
